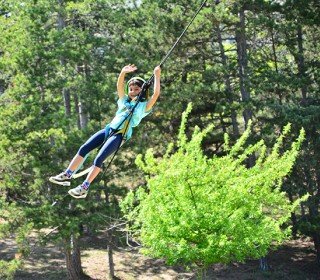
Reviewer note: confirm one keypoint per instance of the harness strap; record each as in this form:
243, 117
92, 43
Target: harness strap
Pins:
123, 131
145, 87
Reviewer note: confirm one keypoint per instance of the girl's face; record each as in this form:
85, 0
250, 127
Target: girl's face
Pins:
134, 91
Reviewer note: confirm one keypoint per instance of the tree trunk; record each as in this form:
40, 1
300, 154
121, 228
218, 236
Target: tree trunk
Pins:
316, 237
2, 86
73, 256
65, 91
83, 116
293, 217
316, 241
227, 82
301, 65
313, 207
67, 103
263, 264
275, 59
73, 259
110, 255
76, 105
243, 73
243, 65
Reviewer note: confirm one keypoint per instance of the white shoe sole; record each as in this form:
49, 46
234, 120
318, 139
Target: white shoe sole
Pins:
77, 196
65, 183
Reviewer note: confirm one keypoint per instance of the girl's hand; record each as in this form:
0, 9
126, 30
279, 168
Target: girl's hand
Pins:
157, 71
129, 68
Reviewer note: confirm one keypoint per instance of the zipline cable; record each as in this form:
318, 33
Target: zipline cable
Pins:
178, 40
183, 32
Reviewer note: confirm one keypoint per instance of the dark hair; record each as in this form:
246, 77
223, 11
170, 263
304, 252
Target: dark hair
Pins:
135, 82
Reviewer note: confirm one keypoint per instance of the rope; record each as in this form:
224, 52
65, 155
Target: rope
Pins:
183, 32
179, 38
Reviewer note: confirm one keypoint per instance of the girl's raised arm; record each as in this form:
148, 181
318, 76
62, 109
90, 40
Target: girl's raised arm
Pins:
156, 88
120, 84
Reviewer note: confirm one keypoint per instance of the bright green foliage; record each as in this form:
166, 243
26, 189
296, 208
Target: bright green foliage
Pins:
208, 210
51, 48
7, 269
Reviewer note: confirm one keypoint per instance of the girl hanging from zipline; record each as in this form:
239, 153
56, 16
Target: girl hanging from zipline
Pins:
132, 108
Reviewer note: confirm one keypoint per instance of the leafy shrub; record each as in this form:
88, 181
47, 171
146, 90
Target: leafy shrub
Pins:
213, 210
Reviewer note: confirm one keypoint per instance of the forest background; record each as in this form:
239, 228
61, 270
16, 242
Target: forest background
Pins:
240, 61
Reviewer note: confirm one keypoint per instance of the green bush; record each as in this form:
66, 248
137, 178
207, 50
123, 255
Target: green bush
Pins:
8, 268
211, 210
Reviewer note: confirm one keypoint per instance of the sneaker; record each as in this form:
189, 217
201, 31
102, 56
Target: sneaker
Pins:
78, 192
61, 179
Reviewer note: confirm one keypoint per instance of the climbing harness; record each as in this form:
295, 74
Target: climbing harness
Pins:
123, 131
141, 97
